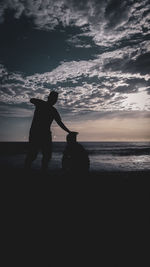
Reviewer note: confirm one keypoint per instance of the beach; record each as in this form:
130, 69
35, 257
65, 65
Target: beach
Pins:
105, 210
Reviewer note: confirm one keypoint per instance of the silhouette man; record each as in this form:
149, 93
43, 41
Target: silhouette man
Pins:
40, 135
75, 158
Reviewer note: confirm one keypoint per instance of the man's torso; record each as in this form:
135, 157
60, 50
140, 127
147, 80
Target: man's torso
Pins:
42, 120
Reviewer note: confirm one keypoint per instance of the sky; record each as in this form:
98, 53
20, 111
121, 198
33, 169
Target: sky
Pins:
95, 54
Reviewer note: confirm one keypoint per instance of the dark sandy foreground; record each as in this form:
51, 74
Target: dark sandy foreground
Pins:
101, 219
98, 182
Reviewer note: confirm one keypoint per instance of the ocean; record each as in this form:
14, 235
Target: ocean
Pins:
104, 156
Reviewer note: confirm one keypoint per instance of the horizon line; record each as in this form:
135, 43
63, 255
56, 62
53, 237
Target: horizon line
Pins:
64, 141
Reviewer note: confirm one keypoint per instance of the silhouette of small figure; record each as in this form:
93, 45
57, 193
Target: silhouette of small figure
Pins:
75, 158
40, 135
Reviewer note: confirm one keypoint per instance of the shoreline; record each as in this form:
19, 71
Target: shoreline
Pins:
57, 172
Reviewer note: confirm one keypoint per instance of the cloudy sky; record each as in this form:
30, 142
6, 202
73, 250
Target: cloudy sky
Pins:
95, 53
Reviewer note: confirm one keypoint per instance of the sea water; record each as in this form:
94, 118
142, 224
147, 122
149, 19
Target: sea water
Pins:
119, 156
113, 156
109, 156
104, 156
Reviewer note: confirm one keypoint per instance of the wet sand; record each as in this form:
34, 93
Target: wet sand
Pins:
107, 211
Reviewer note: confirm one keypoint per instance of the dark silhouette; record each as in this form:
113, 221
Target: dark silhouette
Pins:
75, 158
40, 135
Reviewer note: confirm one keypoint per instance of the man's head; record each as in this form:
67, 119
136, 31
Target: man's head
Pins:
71, 137
52, 98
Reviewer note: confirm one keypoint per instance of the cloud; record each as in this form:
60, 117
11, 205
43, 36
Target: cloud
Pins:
118, 66
105, 21
81, 87
117, 28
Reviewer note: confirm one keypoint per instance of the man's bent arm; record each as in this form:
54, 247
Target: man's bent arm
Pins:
60, 123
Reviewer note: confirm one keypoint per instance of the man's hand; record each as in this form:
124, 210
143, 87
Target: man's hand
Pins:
70, 132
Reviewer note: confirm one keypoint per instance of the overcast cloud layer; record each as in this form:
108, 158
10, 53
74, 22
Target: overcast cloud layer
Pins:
96, 54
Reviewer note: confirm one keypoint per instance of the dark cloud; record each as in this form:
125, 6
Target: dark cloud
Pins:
132, 85
148, 90
114, 64
140, 64
116, 12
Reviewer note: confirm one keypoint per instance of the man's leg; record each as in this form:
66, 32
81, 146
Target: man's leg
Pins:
47, 153
31, 155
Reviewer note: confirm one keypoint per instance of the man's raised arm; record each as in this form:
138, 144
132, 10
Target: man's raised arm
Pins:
36, 101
